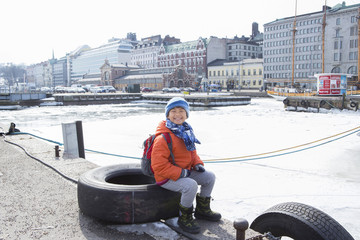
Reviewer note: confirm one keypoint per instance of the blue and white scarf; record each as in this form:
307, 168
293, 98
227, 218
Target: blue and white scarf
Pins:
185, 132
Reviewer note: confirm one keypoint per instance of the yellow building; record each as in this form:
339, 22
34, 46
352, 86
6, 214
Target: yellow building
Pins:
247, 73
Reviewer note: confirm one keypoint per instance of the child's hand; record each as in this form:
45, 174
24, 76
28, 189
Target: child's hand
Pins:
185, 173
199, 168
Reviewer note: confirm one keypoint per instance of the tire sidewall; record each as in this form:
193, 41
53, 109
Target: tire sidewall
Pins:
122, 203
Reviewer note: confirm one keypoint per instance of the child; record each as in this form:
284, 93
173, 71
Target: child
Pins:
188, 171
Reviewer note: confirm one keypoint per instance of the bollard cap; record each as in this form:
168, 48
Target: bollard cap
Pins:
241, 224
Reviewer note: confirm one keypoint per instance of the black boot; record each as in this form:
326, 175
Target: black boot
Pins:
203, 210
186, 220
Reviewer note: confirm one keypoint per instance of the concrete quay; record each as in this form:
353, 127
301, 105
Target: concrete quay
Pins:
196, 99
38, 203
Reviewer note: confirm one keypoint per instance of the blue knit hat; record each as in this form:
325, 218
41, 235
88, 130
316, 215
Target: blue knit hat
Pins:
177, 102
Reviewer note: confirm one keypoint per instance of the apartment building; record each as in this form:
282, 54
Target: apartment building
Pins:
341, 42
194, 55
340, 33
243, 48
145, 53
247, 73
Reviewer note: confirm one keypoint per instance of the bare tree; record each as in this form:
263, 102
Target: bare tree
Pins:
12, 72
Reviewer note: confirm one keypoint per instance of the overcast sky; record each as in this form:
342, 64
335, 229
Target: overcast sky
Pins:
32, 29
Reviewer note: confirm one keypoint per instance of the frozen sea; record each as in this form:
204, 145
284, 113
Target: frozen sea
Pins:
261, 153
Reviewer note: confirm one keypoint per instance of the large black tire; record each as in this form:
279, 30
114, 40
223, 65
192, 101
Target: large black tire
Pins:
124, 195
300, 222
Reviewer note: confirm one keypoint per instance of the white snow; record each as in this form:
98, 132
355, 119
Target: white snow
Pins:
323, 174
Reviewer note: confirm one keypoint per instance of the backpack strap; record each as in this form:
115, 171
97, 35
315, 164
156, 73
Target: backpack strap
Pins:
169, 142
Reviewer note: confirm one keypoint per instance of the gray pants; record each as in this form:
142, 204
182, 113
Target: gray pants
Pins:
188, 186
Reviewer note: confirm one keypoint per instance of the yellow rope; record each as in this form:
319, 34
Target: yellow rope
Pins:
280, 150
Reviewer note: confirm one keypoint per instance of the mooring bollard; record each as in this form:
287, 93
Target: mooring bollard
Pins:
241, 225
57, 150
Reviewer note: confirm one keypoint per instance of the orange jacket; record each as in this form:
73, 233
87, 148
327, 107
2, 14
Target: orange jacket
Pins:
161, 161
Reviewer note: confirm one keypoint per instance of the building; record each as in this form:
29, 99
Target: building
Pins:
341, 39
39, 75
245, 47
247, 73
59, 72
145, 52
194, 55
89, 60
156, 78
110, 72
308, 46
241, 49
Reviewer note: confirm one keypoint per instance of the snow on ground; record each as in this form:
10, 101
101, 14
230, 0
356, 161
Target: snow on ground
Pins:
322, 171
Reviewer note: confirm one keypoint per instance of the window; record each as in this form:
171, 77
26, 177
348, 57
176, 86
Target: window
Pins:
337, 33
352, 70
254, 72
338, 45
354, 43
336, 70
353, 31
353, 55
338, 21
353, 19
337, 56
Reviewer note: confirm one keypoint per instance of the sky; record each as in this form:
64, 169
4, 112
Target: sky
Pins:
32, 30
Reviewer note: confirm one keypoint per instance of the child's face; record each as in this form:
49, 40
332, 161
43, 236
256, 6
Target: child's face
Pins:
177, 115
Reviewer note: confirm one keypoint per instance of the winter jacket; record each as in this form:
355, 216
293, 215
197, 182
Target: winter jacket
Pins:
161, 161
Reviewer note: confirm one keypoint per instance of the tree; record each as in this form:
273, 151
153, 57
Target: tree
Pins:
12, 72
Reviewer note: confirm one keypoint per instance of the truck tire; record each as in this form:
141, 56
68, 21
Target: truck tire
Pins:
300, 222
122, 194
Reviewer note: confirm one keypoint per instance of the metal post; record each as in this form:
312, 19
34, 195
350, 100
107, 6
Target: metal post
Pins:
241, 225
323, 38
293, 48
57, 150
80, 139
358, 60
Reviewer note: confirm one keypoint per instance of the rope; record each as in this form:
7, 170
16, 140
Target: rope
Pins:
285, 149
276, 155
240, 158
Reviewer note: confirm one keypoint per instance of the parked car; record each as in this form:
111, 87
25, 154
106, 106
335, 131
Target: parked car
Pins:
146, 89
59, 89
165, 90
96, 90
175, 90
189, 89
79, 90
108, 89
88, 86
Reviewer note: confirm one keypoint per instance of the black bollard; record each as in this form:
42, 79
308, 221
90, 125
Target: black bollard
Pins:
57, 150
241, 225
